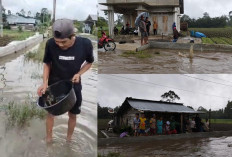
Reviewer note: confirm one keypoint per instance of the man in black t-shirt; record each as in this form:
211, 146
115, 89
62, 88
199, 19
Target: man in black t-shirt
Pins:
66, 57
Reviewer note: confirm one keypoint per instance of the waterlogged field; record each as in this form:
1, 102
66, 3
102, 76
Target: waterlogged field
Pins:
215, 32
11, 35
215, 35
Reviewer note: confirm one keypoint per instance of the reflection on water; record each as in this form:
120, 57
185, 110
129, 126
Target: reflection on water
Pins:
209, 147
20, 78
166, 62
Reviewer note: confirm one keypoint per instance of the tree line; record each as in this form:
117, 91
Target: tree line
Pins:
224, 113
208, 22
44, 16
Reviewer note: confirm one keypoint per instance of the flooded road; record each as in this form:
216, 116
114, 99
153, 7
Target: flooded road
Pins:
164, 61
19, 79
207, 147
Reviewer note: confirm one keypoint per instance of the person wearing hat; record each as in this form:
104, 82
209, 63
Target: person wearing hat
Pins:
67, 57
143, 31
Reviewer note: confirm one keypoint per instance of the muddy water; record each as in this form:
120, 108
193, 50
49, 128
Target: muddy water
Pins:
166, 62
19, 79
208, 147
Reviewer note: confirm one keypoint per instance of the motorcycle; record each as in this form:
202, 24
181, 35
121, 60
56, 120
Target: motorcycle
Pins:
106, 42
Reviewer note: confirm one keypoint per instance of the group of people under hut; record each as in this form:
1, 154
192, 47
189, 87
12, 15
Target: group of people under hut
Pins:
157, 126
144, 28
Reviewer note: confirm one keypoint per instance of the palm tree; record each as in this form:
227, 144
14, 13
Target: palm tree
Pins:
44, 13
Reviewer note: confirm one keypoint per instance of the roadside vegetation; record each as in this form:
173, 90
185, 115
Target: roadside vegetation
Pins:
38, 54
111, 154
19, 114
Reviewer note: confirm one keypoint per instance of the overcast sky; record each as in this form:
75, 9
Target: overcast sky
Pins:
196, 8
80, 9
113, 89
73, 9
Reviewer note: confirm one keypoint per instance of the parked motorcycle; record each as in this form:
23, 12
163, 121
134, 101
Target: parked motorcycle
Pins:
106, 42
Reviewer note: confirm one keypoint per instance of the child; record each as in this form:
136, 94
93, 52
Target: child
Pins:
160, 126
193, 125
142, 124
136, 124
153, 125
167, 128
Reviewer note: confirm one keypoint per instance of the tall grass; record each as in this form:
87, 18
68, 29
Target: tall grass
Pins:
16, 35
221, 121
37, 55
19, 114
111, 154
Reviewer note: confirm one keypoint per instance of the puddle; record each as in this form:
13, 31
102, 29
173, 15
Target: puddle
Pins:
20, 78
183, 147
166, 62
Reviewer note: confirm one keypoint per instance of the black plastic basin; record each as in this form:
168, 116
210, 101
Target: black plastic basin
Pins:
58, 98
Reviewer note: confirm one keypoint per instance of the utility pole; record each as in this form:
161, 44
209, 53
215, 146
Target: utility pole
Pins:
54, 11
1, 21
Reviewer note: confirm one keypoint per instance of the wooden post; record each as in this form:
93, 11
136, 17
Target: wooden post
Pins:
181, 122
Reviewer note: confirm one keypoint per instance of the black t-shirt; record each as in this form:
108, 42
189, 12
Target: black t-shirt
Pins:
66, 63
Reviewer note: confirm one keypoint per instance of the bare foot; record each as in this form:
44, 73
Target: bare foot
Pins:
48, 139
68, 139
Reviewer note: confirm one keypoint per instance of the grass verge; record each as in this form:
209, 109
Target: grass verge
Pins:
111, 154
221, 121
19, 115
207, 41
37, 55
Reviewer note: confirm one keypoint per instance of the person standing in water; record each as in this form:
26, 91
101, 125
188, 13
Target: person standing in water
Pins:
67, 57
143, 30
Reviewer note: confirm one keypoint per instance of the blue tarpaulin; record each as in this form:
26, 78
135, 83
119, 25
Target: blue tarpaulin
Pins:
197, 34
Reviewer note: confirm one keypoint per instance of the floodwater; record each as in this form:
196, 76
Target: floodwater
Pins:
164, 61
205, 147
19, 79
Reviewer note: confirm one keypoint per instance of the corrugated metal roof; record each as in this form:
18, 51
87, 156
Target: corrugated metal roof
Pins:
14, 19
156, 106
